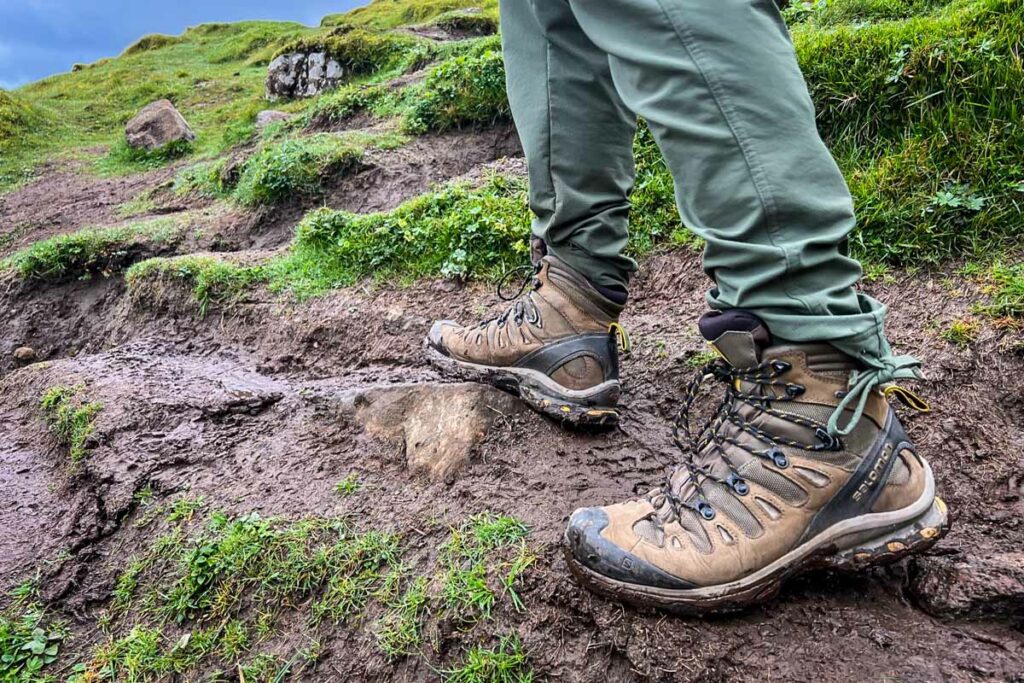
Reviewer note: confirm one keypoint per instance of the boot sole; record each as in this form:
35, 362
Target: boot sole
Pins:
852, 545
593, 408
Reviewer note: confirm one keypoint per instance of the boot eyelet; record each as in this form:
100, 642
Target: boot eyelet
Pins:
706, 511
739, 487
794, 390
778, 458
781, 366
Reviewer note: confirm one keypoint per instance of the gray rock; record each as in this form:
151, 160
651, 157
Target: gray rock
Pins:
25, 354
158, 125
269, 116
970, 586
439, 425
302, 75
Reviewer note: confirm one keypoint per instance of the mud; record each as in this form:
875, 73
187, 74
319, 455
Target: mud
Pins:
254, 408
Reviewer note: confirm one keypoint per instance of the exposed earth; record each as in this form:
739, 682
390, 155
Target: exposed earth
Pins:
264, 405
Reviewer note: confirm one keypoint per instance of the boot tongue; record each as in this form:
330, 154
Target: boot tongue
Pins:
738, 335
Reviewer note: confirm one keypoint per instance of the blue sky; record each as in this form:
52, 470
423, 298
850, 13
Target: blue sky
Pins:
43, 37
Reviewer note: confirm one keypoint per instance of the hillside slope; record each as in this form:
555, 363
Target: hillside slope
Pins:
225, 458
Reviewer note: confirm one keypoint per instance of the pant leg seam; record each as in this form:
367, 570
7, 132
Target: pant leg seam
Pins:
761, 184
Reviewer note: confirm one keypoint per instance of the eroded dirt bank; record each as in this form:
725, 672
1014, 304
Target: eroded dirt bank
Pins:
259, 408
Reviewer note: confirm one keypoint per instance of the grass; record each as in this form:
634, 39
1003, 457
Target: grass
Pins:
210, 591
386, 14
962, 332
211, 280
506, 663
294, 167
213, 74
93, 251
471, 568
70, 417
1008, 291
361, 52
464, 90
348, 486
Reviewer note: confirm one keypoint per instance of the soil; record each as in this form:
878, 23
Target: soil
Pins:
252, 408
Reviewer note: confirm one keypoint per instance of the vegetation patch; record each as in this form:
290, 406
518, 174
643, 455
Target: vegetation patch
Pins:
29, 642
154, 41
962, 332
464, 90
386, 14
1007, 292
506, 663
294, 167
211, 280
70, 417
211, 596
359, 51
94, 251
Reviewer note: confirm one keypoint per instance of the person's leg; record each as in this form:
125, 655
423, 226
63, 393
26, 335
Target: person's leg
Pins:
557, 345
721, 89
771, 486
577, 135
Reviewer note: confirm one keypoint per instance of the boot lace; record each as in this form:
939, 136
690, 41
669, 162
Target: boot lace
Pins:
708, 445
523, 308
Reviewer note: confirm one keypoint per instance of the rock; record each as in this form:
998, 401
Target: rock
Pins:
269, 116
970, 586
302, 74
439, 424
158, 125
25, 354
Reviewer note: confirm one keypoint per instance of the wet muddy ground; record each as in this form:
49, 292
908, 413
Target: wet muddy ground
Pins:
262, 407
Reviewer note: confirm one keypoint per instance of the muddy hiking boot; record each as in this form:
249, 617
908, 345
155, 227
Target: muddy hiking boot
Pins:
557, 347
764, 491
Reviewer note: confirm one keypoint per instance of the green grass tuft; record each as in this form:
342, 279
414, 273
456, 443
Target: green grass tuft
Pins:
70, 417
349, 485
961, 333
386, 14
294, 167
212, 280
91, 252
464, 90
1008, 294
506, 663
361, 52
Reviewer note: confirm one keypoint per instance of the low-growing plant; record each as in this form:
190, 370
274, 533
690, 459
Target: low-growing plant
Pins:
349, 485
93, 251
1008, 291
359, 51
506, 663
27, 643
70, 417
961, 332
211, 280
294, 167
466, 90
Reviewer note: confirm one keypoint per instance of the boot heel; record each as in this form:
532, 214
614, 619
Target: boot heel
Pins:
894, 544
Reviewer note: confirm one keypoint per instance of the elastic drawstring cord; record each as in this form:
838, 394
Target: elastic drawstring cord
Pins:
863, 382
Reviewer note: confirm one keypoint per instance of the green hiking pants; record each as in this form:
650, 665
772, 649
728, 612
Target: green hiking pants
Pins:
719, 85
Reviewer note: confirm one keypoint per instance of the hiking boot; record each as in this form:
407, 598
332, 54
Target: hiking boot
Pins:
765, 491
557, 347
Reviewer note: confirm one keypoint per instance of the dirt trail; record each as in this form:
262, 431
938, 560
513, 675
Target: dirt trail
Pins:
257, 409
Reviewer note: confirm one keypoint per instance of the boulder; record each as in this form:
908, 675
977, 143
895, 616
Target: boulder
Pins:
25, 355
302, 74
269, 116
158, 125
438, 425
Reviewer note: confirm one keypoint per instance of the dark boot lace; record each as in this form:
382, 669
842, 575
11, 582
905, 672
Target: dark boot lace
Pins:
523, 308
706, 448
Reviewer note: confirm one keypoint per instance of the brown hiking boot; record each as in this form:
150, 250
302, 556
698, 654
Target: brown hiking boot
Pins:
556, 347
766, 491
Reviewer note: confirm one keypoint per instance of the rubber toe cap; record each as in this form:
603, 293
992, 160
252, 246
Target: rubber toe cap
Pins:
435, 337
595, 552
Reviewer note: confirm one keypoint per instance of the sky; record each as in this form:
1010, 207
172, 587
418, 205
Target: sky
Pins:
43, 37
